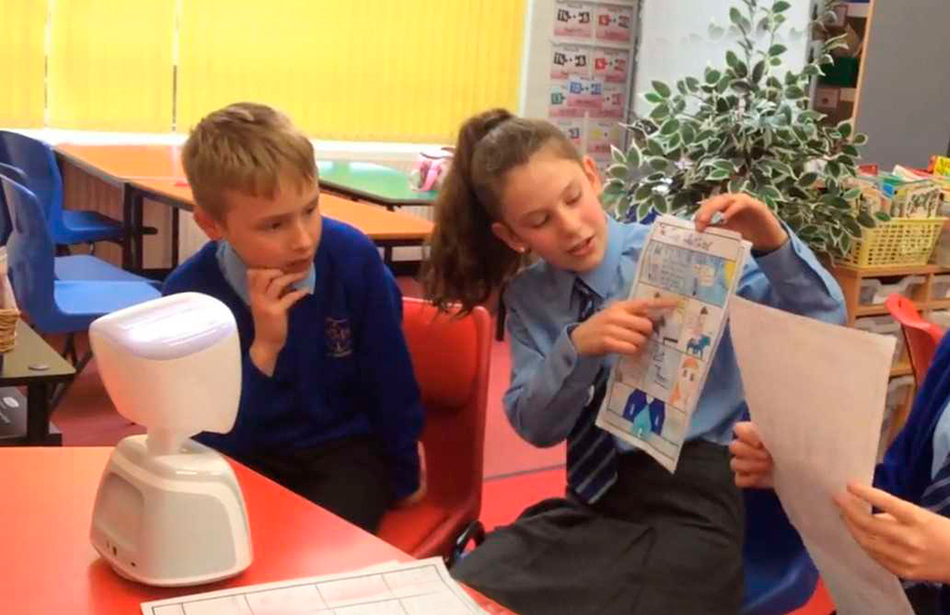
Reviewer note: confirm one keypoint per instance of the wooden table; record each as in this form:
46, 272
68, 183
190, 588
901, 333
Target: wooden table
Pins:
36, 365
387, 229
151, 171
48, 566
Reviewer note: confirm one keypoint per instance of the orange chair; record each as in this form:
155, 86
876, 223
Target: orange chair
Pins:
450, 358
922, 337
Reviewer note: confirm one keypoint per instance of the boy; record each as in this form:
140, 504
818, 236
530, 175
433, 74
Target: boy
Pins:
329, 404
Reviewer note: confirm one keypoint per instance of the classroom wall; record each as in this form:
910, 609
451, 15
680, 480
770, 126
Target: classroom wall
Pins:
904, 92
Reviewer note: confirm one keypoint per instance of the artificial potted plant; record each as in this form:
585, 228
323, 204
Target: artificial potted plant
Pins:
742, 128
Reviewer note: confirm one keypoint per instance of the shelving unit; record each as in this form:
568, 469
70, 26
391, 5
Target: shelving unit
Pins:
923, 296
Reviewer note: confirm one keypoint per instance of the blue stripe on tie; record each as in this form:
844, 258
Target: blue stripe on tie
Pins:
600, 479
579, 464
592, 460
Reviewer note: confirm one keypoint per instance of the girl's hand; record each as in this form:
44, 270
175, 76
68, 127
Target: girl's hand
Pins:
621, 328
747, 216
910, 541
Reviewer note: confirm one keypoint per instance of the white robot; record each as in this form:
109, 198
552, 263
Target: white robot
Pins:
169, 510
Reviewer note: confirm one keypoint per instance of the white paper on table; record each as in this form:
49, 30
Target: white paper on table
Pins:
816, 394
422, 587
651, 396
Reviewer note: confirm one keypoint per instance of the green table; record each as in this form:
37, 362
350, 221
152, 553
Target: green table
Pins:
373, 183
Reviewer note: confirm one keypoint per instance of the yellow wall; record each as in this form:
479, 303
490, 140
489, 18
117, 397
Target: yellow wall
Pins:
371, 70
110, 64
22, 40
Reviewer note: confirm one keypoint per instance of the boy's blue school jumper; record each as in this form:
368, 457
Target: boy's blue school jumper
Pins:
345, 370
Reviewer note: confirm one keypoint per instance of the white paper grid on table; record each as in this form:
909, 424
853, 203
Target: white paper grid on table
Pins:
417, 588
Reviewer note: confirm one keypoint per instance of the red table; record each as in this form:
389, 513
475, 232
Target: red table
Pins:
48, 566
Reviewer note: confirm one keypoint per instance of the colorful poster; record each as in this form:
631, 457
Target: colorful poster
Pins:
584, 93
612, 104
574, 19
557, 104
568, 60
614, 23
611, 65
651, 397
574, 129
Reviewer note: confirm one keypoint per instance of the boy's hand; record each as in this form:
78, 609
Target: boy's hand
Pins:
419, 493
747, 216
910, 541
622, 328
271, 297
751, 461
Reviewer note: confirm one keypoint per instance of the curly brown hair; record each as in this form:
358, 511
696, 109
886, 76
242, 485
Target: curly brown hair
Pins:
467, 263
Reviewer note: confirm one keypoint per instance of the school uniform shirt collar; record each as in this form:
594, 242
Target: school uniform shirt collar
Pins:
235, 272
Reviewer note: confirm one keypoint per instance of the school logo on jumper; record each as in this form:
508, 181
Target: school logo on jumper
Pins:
339, 337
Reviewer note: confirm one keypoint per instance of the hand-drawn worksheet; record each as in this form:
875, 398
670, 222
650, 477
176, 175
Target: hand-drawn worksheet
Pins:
651, 396
423, 587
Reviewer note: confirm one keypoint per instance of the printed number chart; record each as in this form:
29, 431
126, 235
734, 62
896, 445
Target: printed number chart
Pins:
651, 397
417, 588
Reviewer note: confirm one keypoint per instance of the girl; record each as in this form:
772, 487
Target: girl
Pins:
630, 537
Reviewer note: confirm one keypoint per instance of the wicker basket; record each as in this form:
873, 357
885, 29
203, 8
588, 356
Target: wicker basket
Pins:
8, 321
902, 241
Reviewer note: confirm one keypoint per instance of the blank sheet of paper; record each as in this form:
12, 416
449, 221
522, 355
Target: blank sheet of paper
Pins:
816, 394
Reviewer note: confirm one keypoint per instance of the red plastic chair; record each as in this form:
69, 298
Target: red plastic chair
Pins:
922, 337
450, 358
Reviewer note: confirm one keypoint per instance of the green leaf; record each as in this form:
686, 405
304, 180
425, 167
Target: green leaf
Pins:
617, 155
653, 97
850, 226
807, 179
775, 61
712, 76
772, 192
633, 156
758, 70
781, 6
852, 194
617, 170
865, 220
844, 128
687, 134
662, 89
670, 126
731, 58
881, 216
659, 204
834, 168
643, 192
717, 175
860, 139
660, 113
716, 32
735, 16
643, 210
849, 150
658, 162
794, 92
682, 200
654, 148
777, 50
723, 84
692, 83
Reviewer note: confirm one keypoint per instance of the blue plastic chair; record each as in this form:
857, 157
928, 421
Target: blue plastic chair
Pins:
779, 574
35, 158
77, 267
57, 306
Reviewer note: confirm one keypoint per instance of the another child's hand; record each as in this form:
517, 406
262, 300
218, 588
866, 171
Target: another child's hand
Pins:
747, 216
417, 495
751, 461
622, 328
910, 541
271, 297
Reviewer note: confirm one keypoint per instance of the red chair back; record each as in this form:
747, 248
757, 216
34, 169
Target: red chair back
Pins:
922, 337
450, 358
